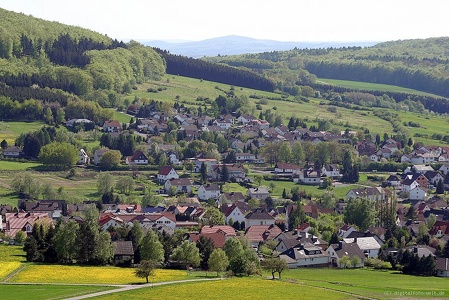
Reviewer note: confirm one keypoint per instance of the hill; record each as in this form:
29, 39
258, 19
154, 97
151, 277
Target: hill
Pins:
232, 45
45, 65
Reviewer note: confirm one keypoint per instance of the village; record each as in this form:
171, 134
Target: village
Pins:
277, 153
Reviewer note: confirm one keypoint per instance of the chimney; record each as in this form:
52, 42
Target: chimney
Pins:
415, 249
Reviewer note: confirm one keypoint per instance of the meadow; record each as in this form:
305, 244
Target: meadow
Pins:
44, 291
10, 130
65, 274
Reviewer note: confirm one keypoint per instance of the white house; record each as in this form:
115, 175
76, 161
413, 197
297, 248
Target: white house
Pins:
258, 218
174, 160
166, 173
371, 193
260, 193
332, 171
307, 255
83, 158
209, 191
369, 245
138, 158
234, 212
111, 126
286, 168
337, 251
183, 185
245, 119
208, 162
445, 169
223, 124
418, 193
98, 154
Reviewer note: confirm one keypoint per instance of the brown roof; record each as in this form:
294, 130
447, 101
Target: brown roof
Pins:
165, 170
15, 222
350, 249
442, 263
123, 248
218, 238
228, 230
180, 181
261, 233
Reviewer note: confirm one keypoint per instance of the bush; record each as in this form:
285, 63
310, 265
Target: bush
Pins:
377, 264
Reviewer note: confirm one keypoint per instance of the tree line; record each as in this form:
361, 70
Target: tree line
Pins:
195, 68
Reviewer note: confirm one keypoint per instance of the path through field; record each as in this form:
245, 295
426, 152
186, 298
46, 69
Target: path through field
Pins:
134, 287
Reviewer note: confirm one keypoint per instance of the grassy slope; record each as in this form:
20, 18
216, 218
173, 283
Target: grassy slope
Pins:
357, 85
9, 131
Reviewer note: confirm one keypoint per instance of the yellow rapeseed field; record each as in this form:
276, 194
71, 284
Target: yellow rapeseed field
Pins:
42, 273
8, 267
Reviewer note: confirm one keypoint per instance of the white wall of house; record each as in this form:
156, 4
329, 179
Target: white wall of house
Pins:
236, 215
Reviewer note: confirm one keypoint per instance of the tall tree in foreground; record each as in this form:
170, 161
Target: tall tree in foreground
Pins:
187, 254
275, 265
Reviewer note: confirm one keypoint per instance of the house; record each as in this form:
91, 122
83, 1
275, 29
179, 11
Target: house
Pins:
442, 267
345, 230
444, 169
305, 255
98, 154
440, 228
138, 158
83, 158
260, 193
434, 177
371, 193
109, 220
245, 157
54, 208
23, 221
332, 171
337, 251
418, 193
209, 191
292, 239
245, 119
257, 234
258, 217
286, 168
311, 177
183, 185
236, 172
235, 212
83, 122
392, 180
232, 197
218, 238
173, 158
166, 219
421, 169
123, 252
12, 151
421, 250
208, 162
166, 173
228, 230
223, 124
369, 245
111, 126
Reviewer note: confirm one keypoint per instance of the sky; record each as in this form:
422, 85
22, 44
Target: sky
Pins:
281, 20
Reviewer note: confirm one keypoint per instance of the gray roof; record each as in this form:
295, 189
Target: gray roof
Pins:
123, 248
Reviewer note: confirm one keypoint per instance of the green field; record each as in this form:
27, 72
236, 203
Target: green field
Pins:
6, 165
367, 86
44, 291
10, 130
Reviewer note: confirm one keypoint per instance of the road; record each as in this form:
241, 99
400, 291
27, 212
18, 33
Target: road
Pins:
135, 287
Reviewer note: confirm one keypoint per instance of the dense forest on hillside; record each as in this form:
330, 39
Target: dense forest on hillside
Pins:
418, 64
47, 64
190, 67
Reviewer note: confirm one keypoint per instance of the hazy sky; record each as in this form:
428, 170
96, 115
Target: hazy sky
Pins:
283, 20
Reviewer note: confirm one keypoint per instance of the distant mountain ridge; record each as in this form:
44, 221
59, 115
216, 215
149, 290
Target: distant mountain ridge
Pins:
233, 44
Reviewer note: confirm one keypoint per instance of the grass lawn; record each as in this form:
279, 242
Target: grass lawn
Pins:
236, 288
11, 259
42, 273
10, 130
6, 165
38, 292
372, 283
121, 117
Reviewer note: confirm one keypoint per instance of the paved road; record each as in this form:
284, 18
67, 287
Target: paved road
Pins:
134, 287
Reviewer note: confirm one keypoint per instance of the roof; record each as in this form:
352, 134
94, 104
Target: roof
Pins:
15, 222
228, 209
211, 187
259, 215
351, 249
13, 149
367, 191
421, 250
179, 181
442, 263
261, 233
258, 190
228, 230
218, 238
234, 196
112, 123
365, 243
165, 170
287, 166
138, 155
123, 248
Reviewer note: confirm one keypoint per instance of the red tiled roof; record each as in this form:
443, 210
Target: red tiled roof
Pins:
219, 237
261, 233
230, 231
15, 222
165, 170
